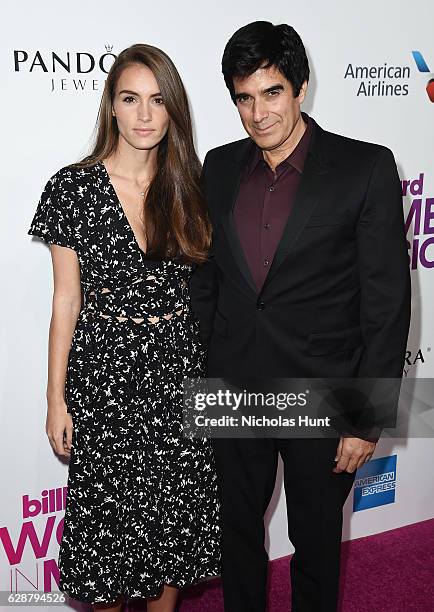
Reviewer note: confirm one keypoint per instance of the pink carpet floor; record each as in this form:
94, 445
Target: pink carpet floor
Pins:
389, 572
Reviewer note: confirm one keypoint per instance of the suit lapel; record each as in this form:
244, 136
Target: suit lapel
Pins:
311, 187
229, 190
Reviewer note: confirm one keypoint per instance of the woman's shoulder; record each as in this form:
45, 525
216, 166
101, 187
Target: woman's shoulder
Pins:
74, 175
71, 188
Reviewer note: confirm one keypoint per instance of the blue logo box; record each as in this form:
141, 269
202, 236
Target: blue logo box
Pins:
374, 484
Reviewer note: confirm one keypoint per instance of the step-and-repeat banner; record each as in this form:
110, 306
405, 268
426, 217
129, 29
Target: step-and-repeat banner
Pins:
372, 78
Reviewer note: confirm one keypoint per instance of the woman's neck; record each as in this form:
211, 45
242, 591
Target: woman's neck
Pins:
133, 164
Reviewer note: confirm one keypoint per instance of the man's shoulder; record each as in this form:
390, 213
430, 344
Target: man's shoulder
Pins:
346, 148
229, 150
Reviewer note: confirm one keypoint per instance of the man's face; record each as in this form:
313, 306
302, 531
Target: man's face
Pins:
268, 110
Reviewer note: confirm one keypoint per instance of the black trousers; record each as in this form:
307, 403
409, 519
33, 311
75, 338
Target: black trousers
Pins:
314, 500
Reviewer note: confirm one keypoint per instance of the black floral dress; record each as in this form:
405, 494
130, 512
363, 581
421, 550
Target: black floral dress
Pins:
142, 507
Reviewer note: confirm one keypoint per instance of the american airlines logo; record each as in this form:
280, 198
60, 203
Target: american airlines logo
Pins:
422, 66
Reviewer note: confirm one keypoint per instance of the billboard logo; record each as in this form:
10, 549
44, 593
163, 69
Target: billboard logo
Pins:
419, 222
422, 66
375, 483
28, 548
52, 500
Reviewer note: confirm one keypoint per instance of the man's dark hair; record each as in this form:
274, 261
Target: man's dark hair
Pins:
261, 45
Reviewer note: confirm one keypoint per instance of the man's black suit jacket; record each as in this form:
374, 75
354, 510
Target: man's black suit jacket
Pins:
336, 300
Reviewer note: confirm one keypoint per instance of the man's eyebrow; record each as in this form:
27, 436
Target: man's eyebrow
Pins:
276, 87
134, 93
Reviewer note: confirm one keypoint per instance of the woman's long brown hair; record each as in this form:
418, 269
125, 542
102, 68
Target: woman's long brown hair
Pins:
177, 224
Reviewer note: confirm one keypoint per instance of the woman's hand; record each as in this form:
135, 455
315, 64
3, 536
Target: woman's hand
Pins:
59, 428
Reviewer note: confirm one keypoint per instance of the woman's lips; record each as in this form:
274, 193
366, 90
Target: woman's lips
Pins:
144, 131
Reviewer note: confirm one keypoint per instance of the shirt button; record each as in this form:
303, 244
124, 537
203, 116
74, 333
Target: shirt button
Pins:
267, 226
260, 305
272, 188
266, 262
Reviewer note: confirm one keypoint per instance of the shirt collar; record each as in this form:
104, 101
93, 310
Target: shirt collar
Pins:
296, 159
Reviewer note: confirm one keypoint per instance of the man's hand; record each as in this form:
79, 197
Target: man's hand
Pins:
352, 453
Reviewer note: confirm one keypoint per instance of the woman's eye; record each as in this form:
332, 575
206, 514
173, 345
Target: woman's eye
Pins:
158, 101
129, 99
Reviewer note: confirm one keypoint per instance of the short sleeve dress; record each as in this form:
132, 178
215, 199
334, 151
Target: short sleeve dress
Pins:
142, 506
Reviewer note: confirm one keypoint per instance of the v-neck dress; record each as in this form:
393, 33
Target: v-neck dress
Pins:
142, 507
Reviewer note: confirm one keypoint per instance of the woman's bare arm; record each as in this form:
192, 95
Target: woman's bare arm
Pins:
65, 311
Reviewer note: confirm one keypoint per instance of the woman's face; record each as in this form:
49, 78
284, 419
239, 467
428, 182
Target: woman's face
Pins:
139, 108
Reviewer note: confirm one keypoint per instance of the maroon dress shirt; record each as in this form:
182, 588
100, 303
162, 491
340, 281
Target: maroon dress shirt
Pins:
264, 203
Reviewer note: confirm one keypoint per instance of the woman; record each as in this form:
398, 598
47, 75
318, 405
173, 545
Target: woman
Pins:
126, 227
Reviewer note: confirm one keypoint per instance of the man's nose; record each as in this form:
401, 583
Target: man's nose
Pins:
259, 111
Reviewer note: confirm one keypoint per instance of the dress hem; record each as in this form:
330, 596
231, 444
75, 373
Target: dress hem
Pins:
180, 584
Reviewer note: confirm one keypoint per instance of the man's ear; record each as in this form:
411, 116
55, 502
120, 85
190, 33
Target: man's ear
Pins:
303, 90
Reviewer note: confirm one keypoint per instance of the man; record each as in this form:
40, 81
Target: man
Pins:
307, 277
